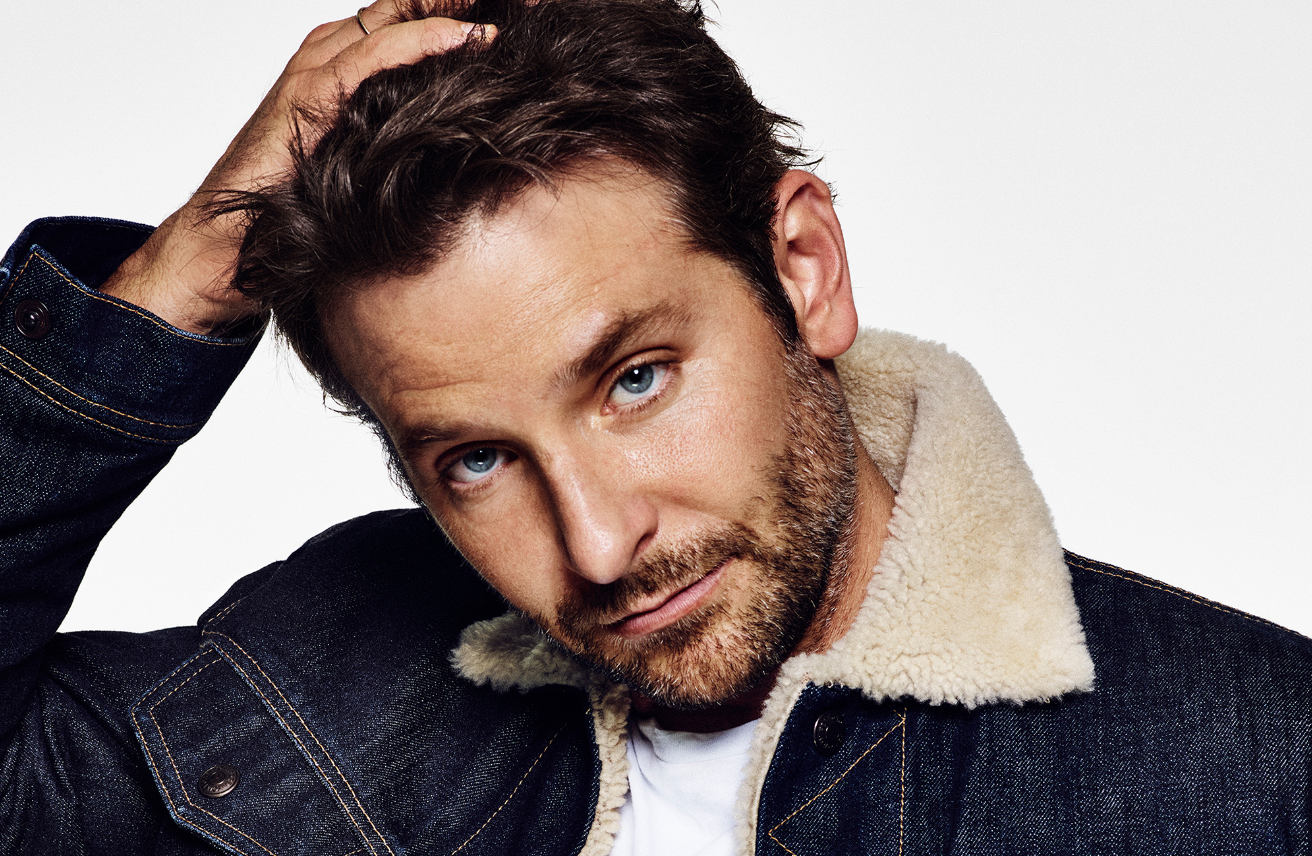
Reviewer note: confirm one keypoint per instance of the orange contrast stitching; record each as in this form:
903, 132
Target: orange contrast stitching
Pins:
902, 806
184, 683
59, 403
224, 612
315, 737
89, 401
522, 779
179, 670
9, 286
123, 305
178, 773
1131, 577
299, 742
901, 724
150, 758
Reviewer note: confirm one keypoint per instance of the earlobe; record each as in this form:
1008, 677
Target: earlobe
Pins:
811, 259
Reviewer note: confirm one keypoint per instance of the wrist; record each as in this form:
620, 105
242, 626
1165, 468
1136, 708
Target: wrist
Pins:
182, 275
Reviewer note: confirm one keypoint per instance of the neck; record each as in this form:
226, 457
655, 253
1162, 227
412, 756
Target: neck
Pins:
849, 578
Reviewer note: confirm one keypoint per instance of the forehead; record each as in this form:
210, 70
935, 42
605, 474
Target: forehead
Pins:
531, 284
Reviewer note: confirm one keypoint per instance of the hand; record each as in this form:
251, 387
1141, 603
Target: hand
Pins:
182, 272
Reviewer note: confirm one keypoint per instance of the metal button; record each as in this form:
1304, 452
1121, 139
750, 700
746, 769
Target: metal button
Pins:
218, 781
32, 319
829, 732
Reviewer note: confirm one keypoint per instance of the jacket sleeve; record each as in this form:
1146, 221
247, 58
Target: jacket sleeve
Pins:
95, 394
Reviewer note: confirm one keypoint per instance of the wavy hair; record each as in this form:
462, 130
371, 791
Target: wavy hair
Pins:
399, 167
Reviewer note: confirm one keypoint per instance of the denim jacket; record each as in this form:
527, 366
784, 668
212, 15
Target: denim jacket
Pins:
370, 694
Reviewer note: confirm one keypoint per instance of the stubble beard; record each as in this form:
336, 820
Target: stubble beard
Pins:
724, 650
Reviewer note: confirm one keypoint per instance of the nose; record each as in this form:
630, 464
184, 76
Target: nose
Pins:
603, 516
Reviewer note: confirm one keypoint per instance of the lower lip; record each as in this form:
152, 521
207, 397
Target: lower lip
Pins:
673, 609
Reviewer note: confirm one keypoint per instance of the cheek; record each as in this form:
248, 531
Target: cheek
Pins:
713, 453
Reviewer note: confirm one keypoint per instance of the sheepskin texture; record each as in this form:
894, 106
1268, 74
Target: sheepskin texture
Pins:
971, 600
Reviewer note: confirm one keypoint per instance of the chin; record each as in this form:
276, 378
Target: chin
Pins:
702, 662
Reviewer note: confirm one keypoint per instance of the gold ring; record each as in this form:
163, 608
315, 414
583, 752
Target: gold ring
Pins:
360, 20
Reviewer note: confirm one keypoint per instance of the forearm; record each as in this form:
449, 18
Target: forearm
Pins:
95, 394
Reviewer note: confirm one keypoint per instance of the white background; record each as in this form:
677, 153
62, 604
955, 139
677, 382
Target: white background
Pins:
1105, 206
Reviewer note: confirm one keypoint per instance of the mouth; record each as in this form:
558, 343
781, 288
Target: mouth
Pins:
663, 610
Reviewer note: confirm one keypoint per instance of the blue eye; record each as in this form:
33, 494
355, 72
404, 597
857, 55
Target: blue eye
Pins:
637, 380
475, 465
638, 383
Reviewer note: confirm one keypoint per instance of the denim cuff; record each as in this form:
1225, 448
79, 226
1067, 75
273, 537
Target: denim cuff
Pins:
95, 357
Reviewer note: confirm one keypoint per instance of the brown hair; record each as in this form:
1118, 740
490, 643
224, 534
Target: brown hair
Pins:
404, 161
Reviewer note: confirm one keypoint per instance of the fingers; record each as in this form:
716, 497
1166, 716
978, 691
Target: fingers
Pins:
328, 40
330, 64
402, 44
315, 81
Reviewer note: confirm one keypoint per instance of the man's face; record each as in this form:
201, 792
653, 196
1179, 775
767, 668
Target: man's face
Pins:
608, 427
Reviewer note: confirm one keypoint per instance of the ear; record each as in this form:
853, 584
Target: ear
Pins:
812, 263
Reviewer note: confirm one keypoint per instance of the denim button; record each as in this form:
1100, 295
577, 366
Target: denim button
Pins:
218, 781
828, 733
32, 319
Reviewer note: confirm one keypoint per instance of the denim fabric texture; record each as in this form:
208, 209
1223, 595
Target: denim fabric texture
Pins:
1195, 740
325, 681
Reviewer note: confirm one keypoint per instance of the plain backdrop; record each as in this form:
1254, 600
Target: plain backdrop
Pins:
1106, 207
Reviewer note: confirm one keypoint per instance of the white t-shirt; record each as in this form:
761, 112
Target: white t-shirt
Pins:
682, 789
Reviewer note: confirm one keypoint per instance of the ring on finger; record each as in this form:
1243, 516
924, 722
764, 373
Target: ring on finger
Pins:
360, 20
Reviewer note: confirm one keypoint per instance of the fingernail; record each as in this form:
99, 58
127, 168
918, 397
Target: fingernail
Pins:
479, 31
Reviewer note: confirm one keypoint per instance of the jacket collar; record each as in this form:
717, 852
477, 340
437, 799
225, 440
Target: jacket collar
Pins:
971, 601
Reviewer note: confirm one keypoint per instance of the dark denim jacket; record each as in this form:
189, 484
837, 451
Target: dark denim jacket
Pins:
324, 680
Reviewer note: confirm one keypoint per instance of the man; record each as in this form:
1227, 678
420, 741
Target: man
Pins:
564, 270
1000, 211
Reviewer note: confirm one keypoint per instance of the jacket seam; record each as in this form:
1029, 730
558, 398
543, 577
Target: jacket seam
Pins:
902, 802
121, 304
77, 412
518, 785
902, 723
150, 711
159, 687
1131, 577
183, 684
224, 612
287, 727
95, 403
317, 742
9, 283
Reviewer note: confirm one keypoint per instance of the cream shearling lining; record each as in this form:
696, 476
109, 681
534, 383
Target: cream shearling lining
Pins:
971, 601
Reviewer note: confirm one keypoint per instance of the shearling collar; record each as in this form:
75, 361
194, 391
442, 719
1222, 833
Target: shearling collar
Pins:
971, 601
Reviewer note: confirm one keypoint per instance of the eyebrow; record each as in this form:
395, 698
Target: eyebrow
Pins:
413, 440
610, 341
617, 336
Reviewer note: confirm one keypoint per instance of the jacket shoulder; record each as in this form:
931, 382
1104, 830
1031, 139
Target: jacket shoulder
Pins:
383, 563
1150, 638
1101, 581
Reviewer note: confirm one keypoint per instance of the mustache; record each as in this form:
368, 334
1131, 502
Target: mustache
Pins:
664, 569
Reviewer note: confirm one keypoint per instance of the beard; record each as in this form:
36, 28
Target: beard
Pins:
725, 649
